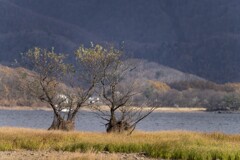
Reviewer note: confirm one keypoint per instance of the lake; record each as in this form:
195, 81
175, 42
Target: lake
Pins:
158, 121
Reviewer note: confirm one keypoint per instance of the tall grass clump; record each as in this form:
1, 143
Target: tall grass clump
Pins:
166, 144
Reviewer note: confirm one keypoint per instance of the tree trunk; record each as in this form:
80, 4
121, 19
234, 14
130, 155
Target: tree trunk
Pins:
115, 126
60, 124
112, 122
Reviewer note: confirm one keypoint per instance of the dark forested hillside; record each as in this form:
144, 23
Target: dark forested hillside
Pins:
199, 37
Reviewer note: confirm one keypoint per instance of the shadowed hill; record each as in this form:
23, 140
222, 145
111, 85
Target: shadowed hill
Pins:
170, 86
12, 81
11, 87
22, 29
198, 37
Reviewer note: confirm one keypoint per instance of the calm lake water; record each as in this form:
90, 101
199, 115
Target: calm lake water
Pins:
87, 121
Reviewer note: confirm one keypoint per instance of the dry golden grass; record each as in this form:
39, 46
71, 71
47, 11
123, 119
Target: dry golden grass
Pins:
167, 144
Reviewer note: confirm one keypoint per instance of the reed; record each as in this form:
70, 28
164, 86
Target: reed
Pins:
165, 144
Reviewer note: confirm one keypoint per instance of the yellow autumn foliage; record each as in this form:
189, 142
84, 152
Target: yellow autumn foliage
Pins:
160, 86
234, 86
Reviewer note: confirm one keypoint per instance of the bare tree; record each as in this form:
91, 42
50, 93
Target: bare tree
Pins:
51, 71
118, 95
67, 88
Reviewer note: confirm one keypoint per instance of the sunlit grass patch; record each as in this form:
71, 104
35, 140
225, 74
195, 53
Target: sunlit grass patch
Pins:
166, 144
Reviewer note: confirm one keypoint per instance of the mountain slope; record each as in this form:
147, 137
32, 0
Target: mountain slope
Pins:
22, 29
198, 37
146, 71
13, 83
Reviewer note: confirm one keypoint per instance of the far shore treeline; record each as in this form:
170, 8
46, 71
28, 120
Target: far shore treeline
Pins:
152, 79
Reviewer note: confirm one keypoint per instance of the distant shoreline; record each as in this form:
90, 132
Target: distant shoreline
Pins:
160, 109
184, 109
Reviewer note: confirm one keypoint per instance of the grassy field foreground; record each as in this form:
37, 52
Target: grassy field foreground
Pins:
167, 144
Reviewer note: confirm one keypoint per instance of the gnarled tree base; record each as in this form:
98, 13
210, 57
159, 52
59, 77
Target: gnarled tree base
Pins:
60, 124
119, 127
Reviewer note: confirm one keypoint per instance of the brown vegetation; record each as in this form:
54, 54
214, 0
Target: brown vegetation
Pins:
189, 93
11, 88
194, 95
202, 85
159, 86
166, 144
